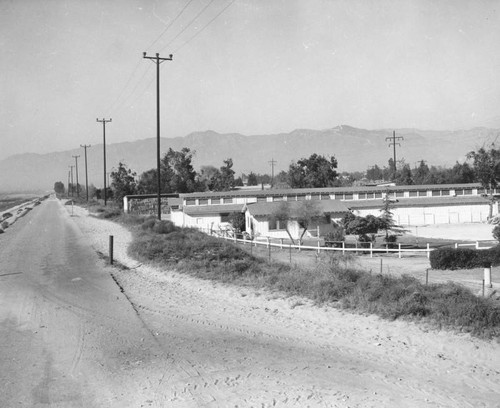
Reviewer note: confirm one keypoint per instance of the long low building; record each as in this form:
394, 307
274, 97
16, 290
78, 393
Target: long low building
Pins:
411, 205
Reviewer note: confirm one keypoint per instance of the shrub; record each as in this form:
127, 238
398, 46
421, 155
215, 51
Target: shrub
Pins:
6, 215
455, 258
496, 232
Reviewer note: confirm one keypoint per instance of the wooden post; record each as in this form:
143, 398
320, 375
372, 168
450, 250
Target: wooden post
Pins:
111, 249
343, 247
319, 248
381, 266
290, 253
399, 250
281, 244
428, 251
371, 249
427, 276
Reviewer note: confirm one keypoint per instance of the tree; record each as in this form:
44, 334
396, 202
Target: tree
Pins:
421, 173
404, 176
364, 227
237, 220
182, 176
252, 179
123, 182
486, 165
224, 179
147, 183
386, 219
59, 187
374, 173
315, 171
303, 213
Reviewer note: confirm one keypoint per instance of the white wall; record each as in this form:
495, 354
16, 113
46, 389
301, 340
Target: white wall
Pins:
436, 215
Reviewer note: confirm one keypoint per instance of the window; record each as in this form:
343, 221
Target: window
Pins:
227, 200
459, 192
277, 198
445, 192
413, 193
190, 201
277, 224
468, 191
261, 199
203, 201
314, 196
325, 196
301, 197
362, 196
378, 194
436, 193
339, 196
422, 193
348, 196
400, 193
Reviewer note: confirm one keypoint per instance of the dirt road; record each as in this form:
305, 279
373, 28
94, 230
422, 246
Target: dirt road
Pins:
72, 337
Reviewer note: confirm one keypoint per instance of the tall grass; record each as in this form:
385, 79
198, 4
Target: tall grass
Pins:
330, 282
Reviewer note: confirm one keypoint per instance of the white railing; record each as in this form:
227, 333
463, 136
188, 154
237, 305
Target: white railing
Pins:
268, 243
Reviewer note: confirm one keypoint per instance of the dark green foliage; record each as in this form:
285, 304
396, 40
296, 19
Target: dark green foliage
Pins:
496, 232
123, 183
59, 187
464, 258
315, 171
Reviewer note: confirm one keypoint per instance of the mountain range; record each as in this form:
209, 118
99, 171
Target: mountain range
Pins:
355, 150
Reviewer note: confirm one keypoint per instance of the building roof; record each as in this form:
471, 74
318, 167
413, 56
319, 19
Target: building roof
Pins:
212, 209
419, 202
332, 190
268, 208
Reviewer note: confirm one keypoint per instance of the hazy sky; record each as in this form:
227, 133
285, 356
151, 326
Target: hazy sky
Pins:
262, 66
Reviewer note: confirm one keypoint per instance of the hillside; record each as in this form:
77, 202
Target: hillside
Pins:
355, 149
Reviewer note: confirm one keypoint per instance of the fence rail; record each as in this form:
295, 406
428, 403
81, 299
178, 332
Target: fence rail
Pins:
267, 242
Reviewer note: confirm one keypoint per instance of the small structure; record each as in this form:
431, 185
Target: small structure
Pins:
260, 219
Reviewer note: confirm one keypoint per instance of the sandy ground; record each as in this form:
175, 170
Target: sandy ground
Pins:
320, 356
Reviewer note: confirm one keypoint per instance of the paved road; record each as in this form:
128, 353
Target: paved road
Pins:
68, 333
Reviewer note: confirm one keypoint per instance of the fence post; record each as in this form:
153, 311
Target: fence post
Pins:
269, 246
343, 248
427, 276
281, 245
268, 242
299, 245
319, 248
487, 277
428, 251
381, 269
111, 249
399, 250
290, 252
371, 249
456, 245
477, 244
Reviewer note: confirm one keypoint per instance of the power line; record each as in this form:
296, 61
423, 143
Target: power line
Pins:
170, 24
272, 162
205, 26
188, 25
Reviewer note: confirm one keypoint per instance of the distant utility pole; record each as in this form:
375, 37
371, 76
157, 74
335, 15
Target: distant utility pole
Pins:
104, 121
157, 60
71, 167
272, 163
86, 174
394, 142
76, 168
68, 182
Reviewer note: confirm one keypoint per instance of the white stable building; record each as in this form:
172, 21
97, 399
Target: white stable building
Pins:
411, 205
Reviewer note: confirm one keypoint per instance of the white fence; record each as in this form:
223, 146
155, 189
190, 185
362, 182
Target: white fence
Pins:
268, 242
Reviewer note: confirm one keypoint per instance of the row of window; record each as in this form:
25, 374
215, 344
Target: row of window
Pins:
338, 196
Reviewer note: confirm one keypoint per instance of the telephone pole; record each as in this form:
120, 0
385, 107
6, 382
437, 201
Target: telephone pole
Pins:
157, 60
86, 174
67, 192
394, 142
71, 167
272, 163
104, 121
77, 185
